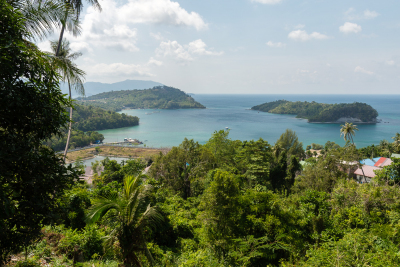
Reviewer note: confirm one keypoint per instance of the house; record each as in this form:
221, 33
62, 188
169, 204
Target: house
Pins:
368, 173
377, 162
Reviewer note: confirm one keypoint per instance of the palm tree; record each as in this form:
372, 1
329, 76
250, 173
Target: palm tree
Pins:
74, 7
70, 74
396, 141
130, 214
42, 16
348, 131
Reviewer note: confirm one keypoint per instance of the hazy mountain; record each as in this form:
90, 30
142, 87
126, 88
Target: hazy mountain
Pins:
93, 88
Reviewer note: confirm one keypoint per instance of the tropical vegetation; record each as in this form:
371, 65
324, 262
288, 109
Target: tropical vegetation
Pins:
158, 97
87, 121
317, 112
229, 203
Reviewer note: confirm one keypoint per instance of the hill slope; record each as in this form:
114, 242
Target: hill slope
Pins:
318, 112
87, 120
159, 97
93, 88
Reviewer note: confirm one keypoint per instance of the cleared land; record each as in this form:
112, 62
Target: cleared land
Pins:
116, 151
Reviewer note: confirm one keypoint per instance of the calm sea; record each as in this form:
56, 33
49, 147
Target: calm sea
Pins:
167, 128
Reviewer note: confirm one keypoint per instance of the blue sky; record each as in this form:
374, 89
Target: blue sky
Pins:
244, 46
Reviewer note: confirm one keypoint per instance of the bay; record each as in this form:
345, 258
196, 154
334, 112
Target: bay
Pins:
167, 128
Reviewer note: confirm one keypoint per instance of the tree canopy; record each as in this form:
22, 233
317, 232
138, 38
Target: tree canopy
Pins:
159, 97
32, 109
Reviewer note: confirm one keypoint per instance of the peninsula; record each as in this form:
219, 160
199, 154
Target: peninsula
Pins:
158, 97
322, 113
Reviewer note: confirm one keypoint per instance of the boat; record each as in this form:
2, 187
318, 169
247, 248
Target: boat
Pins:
135, 141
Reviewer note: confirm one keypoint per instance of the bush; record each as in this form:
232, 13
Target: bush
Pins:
89, 241
27, 263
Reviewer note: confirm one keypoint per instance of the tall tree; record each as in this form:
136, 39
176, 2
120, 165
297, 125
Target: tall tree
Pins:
70, 73
290, 142
396, 142
348, 131
130, 213
75, 7
32, 109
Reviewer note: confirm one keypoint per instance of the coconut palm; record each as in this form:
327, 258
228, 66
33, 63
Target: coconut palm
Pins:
42, 16
348, 131
70, 73
129, 213
396, 142
74, 8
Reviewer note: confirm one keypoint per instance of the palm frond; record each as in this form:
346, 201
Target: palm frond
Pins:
101, 206
151, 217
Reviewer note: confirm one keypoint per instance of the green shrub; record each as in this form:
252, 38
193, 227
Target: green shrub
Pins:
89, 241
27, 263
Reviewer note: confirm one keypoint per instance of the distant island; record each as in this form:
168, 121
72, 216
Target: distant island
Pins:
93, 88
322, 113
158, 97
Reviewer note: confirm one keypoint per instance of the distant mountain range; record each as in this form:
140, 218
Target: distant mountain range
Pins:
93, 88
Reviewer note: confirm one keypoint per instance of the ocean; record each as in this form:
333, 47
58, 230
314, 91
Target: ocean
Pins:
167, 128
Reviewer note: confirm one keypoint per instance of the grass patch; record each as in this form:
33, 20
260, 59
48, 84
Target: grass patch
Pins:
116, 151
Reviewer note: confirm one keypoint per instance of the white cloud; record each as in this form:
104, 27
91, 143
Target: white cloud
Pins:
390, 62
349, 27
370, 14
301, 35
113, 28
299, 26
277, 45
154, 62
351, 14
157, 36
175, 50
199, 47
184, 53
362, 70
44, 46
269, 2
118, 69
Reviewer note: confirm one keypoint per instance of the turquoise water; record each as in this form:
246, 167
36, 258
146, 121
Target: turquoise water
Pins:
167, 128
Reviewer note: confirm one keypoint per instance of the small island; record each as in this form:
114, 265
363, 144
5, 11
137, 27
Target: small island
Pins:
322, 113
158, 97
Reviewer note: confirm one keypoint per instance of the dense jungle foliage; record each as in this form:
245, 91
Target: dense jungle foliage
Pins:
90, 118
32, 109
86, 121
317, 112
159, 97
77, 139
234, 203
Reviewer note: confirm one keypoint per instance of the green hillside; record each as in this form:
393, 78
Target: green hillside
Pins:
319, 112
159, 97
91, 118
86, 121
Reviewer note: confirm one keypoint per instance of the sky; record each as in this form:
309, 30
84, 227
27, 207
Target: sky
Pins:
244, 46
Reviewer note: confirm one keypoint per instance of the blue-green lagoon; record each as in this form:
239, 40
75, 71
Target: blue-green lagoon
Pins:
167, 128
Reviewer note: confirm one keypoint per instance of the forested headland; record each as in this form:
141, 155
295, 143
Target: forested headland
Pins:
159, 97
87, 121
319, 112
